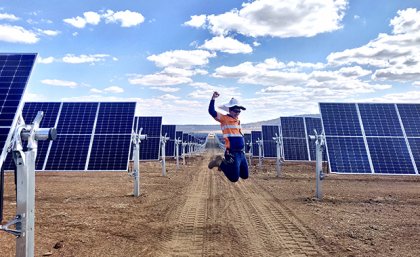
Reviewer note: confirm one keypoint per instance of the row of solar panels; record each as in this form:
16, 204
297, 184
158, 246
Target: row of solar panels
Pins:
95, 136
294, 134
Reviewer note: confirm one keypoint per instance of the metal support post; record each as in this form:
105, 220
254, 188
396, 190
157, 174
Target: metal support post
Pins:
24, 220
260, 145
163, 140
277, 139
177, 143
319, 148
184, 145
136, 141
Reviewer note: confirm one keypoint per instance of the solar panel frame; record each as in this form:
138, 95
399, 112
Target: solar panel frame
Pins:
15, 70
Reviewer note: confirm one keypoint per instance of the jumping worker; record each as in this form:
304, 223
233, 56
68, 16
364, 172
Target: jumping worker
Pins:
234, 165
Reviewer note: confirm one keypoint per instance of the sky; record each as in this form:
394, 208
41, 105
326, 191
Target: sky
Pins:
277, 57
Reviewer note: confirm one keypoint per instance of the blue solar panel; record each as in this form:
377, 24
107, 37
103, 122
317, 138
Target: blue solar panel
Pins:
15, 70
410, 117
311, 124
415, 149
110, 152
112, 140
292, 127
248, 141
69, 152
295, 149
115, 118
149, 149
178, 136
380, 120
340, 119
50, 110
77, 118
75, 128
152, 127
390, 155
255, 135
270, 146
382, 147
185, 139
295, 145
169, 130
347, 155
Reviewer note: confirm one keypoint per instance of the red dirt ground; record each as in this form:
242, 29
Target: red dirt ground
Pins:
194, 211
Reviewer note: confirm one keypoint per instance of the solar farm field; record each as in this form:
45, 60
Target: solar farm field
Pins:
197, 212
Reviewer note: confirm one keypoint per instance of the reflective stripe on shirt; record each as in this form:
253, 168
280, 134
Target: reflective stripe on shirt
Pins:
232, 135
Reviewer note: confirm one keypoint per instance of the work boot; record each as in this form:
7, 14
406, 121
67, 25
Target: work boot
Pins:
215, 162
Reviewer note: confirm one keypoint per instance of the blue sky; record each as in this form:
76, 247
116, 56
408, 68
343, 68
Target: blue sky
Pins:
278, 57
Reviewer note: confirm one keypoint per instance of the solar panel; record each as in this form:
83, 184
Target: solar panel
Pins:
178, 136
90, 136
169, 130
152, 127
247, 138
255, 135
185, 139
312, 124
371, 138
112, 138
74, 132
410, 117
294, 138
270, 146
15, 70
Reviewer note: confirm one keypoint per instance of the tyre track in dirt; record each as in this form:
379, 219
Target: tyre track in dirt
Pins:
220, 218
188, 235
280, 231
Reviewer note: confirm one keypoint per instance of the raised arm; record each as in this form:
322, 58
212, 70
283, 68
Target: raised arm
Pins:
212, 110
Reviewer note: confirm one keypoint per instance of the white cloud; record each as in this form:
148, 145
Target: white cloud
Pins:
407, 21
205, 91
168, 97
92, 58
226, 45
394, 57
114, 89
158, 79
196, 21
280, 18
166, 89
92, 18
96, 91
126, 18
10, 17
60, 83
46, 60
182, 58
77, 22
51, 33
17, 34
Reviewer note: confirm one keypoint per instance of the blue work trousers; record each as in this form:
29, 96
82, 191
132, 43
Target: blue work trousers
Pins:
236, 169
